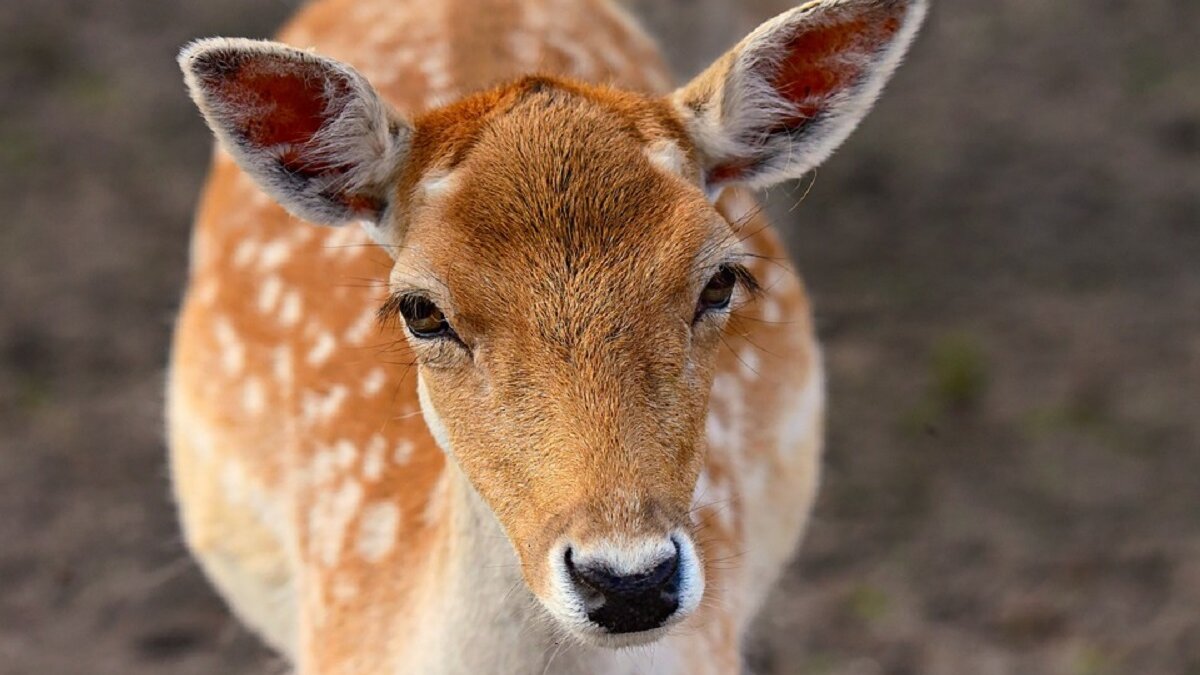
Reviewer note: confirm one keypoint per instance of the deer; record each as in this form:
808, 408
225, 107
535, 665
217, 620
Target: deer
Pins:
489, 361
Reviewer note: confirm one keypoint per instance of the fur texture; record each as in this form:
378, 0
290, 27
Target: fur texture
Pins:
310, 130
788, 95
375, 501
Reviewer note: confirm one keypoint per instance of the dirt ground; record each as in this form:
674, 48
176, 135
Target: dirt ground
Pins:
1006, 266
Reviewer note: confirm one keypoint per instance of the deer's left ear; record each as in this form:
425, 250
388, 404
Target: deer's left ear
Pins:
782, 100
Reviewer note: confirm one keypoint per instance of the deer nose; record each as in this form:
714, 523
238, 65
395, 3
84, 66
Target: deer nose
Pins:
623, 602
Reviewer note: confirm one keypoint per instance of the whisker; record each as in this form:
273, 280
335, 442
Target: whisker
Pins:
559, 647
738, 356
807, 190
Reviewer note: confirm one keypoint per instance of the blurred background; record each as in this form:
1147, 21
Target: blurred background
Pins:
1005, 261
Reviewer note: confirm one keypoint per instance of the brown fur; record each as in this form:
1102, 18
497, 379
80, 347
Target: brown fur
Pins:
578, 405
589, 254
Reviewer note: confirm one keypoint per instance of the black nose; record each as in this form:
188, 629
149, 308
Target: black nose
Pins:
627, 603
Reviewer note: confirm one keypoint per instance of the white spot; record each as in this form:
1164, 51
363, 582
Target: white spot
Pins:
268, 294
302, 232
373, 383
435, 72
403, 452
281, 365
345, 242
324, 466
725, 387
405, 56
322, 350
667, 155
245, 252
233, 482
437, 184
377, 531
206, 292
318, 406
360, 330
254, 397
771, 312
750, 363
372, 467
329, 519
715, 497
346, 453
240, 489
798, 427
289, 311
380, 33
233, 352
435, 504
199, 437
725, 434
274, 254
435, 64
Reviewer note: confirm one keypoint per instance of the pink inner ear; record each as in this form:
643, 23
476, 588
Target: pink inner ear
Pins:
728, 171
818, 62
274, 106
826, 59
279, 105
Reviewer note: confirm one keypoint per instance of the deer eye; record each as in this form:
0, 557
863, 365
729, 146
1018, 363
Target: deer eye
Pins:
423, 318
718, 291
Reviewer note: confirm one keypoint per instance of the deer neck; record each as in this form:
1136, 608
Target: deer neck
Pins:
485, 619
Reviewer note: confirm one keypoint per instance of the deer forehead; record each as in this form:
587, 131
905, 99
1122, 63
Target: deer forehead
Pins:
542, 137
559, 199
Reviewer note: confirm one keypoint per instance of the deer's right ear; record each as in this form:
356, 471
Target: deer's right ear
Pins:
310, 130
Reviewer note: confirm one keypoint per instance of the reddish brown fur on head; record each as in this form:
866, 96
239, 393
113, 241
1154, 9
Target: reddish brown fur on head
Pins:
569, 266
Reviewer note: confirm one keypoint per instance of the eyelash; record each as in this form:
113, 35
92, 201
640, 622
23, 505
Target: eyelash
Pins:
740, 276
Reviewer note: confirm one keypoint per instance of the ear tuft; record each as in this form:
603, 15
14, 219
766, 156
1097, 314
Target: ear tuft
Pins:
310, 130
781, 101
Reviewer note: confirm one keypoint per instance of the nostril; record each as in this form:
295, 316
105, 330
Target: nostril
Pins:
625, 603
593, 598
602, 579
665, 572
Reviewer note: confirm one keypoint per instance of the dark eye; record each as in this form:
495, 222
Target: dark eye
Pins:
718, 291
423, 318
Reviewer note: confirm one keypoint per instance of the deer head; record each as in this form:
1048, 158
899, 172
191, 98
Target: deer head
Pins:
560, 271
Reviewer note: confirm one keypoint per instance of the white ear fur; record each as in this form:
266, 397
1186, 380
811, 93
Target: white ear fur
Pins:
310, 130
745, 114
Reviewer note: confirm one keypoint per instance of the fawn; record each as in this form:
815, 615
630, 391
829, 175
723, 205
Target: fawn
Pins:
558, 395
